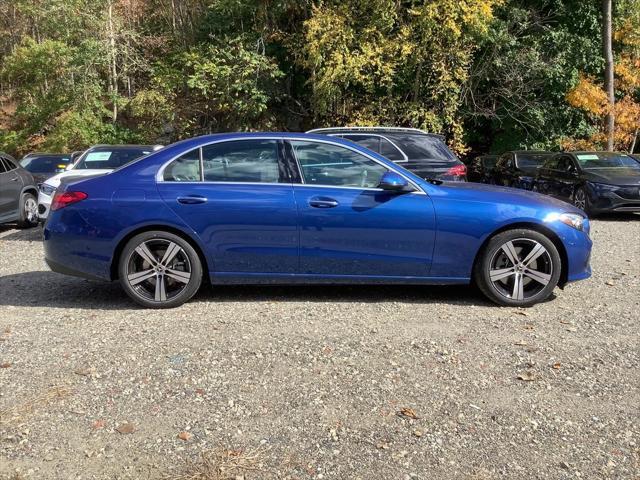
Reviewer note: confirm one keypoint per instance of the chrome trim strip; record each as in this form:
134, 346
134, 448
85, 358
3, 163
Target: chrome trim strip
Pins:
160, 173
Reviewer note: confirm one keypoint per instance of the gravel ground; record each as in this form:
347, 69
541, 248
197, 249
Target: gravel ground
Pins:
322, 382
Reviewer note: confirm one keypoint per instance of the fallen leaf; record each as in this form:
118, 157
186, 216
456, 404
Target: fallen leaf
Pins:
184, 436
522, 312
527, 376
98, 424
125, 427
572, 329
521, 343
610, 283
556, 366
408, 412
5, 365
565, 322
200, 391
382, 446
528, 326
417, 433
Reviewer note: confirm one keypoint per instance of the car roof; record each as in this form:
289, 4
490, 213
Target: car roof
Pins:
387, 130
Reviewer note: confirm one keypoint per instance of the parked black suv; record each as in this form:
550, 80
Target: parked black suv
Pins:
18, 194
518, 169
424, 154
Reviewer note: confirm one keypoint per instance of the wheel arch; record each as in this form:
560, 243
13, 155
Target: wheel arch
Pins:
555, 239
161, 227
32, 189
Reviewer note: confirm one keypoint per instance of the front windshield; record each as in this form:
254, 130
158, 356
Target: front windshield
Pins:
109, 158
601, 160
531, 160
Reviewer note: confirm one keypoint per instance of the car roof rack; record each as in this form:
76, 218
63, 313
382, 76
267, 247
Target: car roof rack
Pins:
370, 129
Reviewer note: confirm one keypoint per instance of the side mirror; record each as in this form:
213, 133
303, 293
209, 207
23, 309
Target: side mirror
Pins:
393, 182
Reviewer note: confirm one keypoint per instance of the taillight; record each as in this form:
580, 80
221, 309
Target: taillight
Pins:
64, 199
457, 171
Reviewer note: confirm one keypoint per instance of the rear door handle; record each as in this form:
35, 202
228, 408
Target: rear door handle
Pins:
323, 202
14, 179
192, 199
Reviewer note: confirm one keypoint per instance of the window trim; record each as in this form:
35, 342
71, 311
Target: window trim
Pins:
405, 158
159, 177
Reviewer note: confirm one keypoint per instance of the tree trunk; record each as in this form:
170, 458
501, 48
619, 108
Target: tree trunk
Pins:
608, 72
113, 71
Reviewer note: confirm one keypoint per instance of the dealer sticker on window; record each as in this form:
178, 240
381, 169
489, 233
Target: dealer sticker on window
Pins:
589, 156
97, 156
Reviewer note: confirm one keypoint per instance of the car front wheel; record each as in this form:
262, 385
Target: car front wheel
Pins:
581, 200
518, 268
159, 270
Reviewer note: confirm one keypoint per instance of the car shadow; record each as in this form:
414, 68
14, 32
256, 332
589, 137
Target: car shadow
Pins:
33, 234
49, 289
616, 217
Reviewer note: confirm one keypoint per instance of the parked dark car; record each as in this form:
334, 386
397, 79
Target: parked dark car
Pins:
422, 153
18, 194
480, 168
45, 165
518, 169
596, 182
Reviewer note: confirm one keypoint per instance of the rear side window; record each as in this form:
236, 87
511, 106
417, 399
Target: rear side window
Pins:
333, 165
8, 164
418, 147
185, 168
378, 144
252, 161
3, 169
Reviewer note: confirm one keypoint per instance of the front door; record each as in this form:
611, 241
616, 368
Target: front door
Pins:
240, 201
348, 226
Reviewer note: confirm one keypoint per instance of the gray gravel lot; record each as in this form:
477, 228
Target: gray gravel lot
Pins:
313, 380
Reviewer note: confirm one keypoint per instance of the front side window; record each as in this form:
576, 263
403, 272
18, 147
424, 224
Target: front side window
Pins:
333, 165
185, 168
252, 161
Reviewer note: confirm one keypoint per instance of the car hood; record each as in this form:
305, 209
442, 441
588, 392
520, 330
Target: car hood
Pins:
481, 192
71, 175
613, 176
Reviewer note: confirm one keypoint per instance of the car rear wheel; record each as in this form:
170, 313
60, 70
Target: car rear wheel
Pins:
28, 211
159, 270
518, 268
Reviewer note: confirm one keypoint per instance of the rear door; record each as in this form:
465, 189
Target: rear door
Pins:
238, 196
10, 187
348, 226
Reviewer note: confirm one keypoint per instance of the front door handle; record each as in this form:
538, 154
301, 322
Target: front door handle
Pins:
192, 199
323, 202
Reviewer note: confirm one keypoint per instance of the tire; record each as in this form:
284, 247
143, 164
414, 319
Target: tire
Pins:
28, 214
518, 284
581, 200
156, 256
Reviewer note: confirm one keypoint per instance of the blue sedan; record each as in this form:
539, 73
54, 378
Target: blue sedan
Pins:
253, 208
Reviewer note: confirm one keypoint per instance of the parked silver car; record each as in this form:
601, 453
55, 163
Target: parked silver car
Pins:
18, 194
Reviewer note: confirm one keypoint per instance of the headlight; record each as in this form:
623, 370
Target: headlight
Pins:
603, 187
573, 220
46, 189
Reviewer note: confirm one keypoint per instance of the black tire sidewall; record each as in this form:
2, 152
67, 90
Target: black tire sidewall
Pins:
194, 259
482, 276
23, 222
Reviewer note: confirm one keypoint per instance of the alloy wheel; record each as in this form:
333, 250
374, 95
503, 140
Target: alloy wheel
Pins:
580, 199
158, 270
521, 269
31, 209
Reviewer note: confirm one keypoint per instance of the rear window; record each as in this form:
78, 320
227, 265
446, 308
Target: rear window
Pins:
109, 158
531, 160
417, 147
45, 164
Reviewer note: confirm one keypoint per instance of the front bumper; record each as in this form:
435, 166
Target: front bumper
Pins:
623, 199
44, 205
